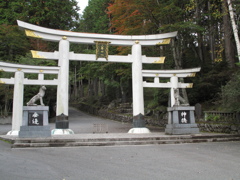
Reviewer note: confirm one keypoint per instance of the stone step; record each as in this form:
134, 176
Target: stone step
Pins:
125, 111
37, 143
126, 105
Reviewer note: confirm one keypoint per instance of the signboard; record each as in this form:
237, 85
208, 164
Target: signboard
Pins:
184, 117
35, 118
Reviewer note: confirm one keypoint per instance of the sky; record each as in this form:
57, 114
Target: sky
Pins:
82, 4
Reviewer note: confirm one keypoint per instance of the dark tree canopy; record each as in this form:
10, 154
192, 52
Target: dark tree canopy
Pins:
205, 39
47, 13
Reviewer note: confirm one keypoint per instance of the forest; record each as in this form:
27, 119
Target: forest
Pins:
207, 38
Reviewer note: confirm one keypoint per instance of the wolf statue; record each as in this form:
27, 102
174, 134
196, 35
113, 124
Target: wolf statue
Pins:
178, 99
37, 97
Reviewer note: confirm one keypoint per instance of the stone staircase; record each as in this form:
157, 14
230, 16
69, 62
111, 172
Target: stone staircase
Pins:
125, 108
117, 140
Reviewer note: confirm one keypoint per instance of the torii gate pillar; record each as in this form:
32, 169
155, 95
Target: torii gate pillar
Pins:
62, 123
137, 91
174, 82
17, 103
63, 75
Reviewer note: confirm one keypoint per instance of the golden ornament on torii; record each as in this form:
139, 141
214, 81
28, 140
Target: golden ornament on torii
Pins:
102, 49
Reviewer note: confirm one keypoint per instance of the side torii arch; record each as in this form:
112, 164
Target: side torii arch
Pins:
19, 81
63, 56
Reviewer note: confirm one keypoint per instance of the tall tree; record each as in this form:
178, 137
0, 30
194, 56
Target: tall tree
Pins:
14, 45
51, 13
234, 27
94, 18
228, 37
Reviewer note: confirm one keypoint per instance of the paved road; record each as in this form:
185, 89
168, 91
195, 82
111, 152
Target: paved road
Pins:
81, 122
205, 161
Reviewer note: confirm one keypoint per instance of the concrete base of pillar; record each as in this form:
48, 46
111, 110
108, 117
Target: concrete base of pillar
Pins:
13, 133
139, 130
62, 132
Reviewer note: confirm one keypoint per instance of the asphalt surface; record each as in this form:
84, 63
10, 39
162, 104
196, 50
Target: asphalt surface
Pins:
204, 161
81, 122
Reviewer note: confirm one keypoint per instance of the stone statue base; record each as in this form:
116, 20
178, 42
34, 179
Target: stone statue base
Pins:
35, 122
181, 120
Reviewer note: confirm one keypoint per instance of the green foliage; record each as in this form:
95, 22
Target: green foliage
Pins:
236, 5
6, 97
12, 43
207, 83
6, 141
94, 18
211, 117
51, 13
200, 42
231, 94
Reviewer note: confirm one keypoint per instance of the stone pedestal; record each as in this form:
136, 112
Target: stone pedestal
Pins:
35, 122
181, 120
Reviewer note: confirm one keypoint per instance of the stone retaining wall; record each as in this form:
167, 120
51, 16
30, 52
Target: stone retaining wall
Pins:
204, 126
219, 127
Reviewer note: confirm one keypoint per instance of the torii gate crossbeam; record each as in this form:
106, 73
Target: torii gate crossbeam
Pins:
90, 38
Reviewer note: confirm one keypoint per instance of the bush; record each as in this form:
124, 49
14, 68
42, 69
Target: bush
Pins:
231, 94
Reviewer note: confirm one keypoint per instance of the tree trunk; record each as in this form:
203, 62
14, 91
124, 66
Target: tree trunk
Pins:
199, 35
81, 88
123, 93
95, 86
6, 99
211, 36
75, 88
234, 27
102, 88
177, 53
228, 45
90, 87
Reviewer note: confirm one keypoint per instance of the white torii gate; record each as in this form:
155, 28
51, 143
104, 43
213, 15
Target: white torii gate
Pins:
173, 75
63, 56
19, 81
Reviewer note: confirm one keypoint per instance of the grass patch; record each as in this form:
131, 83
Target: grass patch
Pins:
6, 141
